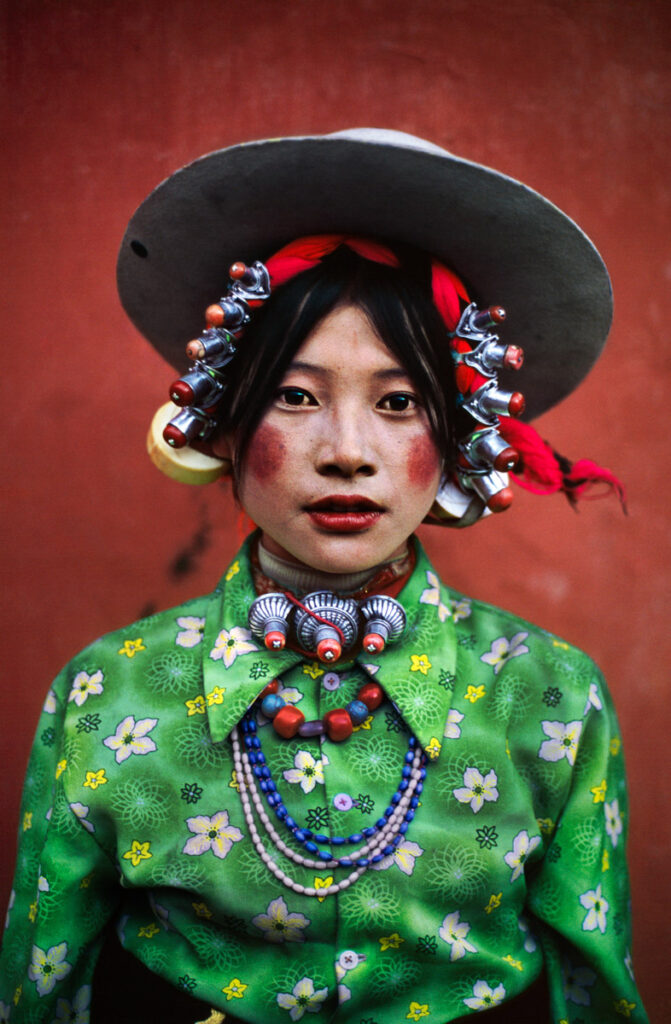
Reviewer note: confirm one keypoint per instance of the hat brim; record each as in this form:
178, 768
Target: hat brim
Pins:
509, 245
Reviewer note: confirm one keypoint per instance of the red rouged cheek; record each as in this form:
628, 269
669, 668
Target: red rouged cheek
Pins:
266, 453
423, 461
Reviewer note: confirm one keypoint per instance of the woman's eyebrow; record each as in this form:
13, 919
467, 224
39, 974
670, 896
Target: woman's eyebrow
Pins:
388, 373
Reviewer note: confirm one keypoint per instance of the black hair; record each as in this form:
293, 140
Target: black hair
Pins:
399, 306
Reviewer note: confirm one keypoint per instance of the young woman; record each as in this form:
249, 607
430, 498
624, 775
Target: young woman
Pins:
333, 787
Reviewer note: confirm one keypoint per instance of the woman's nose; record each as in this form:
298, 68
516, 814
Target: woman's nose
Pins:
344, 449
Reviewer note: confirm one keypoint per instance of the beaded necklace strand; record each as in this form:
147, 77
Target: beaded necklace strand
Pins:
388, 837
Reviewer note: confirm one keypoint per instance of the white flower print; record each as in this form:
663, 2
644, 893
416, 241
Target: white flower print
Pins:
529, 938
593, 699
563, 741
454, 932
306, 771
80, 811
432, 596
191, 630
460, 609
231, 644
84, 684
613, 821
576, 982
4, 1012
485, 997
477, 788
213, 833
48, 968
131, 738
519, 855
403, 857
597, 908
628, 964
50, 704
503, 650
278, 924
77, 1011
303, 999
452, 727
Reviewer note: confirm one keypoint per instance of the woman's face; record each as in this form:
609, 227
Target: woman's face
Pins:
343, 466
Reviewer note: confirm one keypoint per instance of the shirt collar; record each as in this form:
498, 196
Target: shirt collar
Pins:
416, 672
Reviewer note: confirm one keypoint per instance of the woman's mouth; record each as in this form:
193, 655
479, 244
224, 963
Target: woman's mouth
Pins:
340, 513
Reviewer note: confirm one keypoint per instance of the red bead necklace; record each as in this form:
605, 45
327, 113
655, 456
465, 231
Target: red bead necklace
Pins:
338, 724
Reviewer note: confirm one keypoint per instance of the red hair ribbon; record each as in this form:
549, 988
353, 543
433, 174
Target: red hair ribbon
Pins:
543, 471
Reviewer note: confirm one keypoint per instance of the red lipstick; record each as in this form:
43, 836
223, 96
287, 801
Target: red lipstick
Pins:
344, 513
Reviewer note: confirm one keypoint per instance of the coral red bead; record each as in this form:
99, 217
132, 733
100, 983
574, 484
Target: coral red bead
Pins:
272, 687
371, 694
214, 315
373, 643
195, 349
338, 725
237, 270
181, 393
173, 436
328, 649
288, 720
506, 460
516, 404
274, 640
501, 500
513, 358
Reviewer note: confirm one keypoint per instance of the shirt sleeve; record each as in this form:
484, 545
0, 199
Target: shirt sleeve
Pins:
65, 887
579, 894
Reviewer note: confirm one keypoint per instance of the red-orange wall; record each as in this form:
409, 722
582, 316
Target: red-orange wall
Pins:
105, 99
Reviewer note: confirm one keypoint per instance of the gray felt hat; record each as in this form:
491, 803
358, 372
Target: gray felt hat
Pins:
509, 245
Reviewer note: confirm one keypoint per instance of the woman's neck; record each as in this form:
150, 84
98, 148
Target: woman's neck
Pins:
301, 579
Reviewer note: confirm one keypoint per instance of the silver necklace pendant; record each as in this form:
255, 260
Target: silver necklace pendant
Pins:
327, 639
325, 623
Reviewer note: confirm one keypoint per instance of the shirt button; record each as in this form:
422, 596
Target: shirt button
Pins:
331, 681
342, 801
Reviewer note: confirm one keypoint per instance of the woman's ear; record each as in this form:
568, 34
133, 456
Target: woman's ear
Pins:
189, 465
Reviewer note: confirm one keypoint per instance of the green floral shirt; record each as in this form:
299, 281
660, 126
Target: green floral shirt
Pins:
513, 864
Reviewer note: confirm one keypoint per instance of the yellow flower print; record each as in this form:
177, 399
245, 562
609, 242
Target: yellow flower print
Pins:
615, 745
546, 825
313, 670
420, 663
494, 902
17, 994
95, 779
392, 941
364, 725
232, 571
234, 784
605, 861
433, 748
32, 911
216, 696
417, 1010
323, 883
202, 910
599, 792
235, 989
138, 852
623, 1007
517, 964
86, 881
196, 706
27, 820
474, 693
60, 768
131, 647
148, 931
560, 643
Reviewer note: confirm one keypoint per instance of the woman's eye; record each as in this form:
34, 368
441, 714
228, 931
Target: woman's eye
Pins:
398, 402
296, 397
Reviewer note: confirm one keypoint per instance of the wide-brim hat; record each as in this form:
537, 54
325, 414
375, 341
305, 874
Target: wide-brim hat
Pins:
508, 244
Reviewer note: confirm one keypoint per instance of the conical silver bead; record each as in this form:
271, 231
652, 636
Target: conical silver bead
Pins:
340, 612
385, 618
269, 619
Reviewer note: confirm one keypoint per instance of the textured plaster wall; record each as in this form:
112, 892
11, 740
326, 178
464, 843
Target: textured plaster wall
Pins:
103, 101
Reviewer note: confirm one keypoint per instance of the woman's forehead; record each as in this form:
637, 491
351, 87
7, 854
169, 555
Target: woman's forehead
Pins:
346, 337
